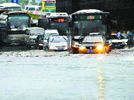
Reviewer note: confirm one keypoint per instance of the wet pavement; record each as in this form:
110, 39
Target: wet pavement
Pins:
39, 75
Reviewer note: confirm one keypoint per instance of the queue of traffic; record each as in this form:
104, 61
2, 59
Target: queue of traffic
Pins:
85, 31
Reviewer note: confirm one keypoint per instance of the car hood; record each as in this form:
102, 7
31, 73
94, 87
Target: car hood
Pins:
91, 45
58, 44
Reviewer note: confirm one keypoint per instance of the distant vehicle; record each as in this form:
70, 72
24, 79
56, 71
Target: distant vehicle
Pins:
58, 20
48, 34
118, 43
15, 23
39, 42
31, 35
10, 6
87, 21
48, 5
34, 9
93, 43
57, 43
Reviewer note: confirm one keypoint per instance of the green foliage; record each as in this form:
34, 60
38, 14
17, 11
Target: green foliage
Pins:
33, 16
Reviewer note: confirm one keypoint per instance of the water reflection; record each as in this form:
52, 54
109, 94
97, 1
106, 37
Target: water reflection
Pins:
101, 81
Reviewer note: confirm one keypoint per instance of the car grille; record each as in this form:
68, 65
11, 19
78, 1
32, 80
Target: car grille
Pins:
90, 47
117, 43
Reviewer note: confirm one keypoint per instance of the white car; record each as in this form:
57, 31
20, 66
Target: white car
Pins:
34, 9
57, 43
32, 34
118, 43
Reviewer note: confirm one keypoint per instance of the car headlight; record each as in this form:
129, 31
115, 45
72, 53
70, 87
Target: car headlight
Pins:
40, 44
99, 47
82, 48
74, 45
51, 47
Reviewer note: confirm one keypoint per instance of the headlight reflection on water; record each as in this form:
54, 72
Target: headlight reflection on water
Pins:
101, 81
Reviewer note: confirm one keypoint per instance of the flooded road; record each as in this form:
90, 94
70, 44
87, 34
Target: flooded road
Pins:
40, 75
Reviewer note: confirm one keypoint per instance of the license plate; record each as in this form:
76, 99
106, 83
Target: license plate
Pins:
117, 45
60, 48
90, 51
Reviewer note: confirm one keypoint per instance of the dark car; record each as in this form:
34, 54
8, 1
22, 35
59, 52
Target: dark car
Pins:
39, 42
94, 44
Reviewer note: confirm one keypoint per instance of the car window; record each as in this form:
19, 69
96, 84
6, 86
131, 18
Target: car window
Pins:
32, 9
26, 8
58, 39
47, 35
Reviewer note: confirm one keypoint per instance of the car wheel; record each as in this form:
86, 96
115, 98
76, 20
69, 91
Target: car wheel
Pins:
40, 48
47, 49
28, 46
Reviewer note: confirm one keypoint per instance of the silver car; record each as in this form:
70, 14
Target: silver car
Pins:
31, 35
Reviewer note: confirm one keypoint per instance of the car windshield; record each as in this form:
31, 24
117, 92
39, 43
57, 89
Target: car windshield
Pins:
58, 39
114, 37
32, 9
47, 35
37, 31
93, 39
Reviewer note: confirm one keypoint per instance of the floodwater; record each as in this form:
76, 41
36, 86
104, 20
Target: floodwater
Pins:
40, 75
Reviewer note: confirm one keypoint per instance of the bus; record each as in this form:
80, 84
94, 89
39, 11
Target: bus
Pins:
49, 5
10, 6
13, 25
57, 21
84, 22
88, 21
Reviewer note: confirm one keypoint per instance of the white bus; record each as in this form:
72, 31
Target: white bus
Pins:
13, 25
10, 6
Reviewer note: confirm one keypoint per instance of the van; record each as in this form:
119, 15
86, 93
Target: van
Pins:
34, 9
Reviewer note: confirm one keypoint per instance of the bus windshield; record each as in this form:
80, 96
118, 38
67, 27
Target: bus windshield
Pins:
50, 4
85, 27
61, 27
22, 21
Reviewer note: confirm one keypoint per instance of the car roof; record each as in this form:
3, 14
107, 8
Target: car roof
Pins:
52, 37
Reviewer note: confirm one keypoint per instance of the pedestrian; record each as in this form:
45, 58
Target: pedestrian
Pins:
129, 34
124, 34
119, 34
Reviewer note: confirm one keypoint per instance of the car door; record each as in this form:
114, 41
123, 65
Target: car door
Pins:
27, 36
